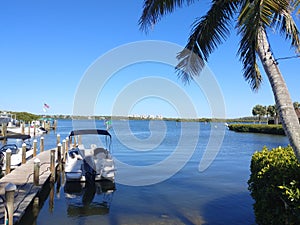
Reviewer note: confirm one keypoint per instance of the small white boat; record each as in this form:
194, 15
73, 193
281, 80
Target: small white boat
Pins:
8, 118
91, 163
32, 130
14, 144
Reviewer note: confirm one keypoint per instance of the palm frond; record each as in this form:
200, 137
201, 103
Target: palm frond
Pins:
153, 10
249, 22
208, 32
284, 21
296, 4
291, 31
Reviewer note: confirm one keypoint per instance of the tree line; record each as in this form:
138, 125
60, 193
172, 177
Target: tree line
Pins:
270, 111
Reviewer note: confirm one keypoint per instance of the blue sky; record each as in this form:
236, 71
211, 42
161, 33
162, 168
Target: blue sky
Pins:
46, 47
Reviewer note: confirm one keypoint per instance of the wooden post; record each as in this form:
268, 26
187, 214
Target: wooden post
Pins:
4, 141
67, 148
70, 140
23, 153
3, 129
74, 141
36, 172
52, 164
57, 139
34, 147
55, 124
59, 155
79, 140
63, 150
23, 127
42, 144
34, 130
8, 161
10, 198
67, 144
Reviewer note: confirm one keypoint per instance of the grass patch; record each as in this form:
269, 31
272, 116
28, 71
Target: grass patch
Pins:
258, 128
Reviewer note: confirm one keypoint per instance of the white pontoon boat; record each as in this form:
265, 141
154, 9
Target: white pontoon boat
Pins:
87, 161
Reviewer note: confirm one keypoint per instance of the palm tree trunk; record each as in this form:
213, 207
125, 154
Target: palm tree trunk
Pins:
283, 100
276, 119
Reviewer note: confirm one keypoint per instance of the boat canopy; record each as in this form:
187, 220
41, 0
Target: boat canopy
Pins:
89, 131
45, 119
16, 136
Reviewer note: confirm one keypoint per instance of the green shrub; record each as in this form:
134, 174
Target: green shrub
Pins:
274, 185
257, 128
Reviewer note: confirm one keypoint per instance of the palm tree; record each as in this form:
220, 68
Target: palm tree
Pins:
254, 18
272, 111
259, 111
296, 105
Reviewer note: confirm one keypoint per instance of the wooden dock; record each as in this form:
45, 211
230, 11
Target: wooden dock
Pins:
26, 190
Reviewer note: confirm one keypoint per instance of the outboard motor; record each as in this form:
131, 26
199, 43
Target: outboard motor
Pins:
89, 168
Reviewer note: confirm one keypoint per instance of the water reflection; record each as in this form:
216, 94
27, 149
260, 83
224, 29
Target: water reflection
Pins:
89, 198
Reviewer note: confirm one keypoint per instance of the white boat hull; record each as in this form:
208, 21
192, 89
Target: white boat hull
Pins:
30, 131
99, 166
16, 159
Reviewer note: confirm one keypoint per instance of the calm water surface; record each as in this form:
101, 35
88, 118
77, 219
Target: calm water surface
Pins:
217, 195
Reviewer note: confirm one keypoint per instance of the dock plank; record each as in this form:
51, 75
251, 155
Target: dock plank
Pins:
22, 177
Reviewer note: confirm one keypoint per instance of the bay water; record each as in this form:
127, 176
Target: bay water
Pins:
158, 177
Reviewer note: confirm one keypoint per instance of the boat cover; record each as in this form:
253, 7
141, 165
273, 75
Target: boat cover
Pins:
89, 131
15, 136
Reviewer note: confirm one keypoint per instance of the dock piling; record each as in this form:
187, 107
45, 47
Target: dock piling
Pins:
22, 128
23, 177
8, 161
34, 130
52, 164
3, 129
59, 156
34, 147
57, 139
36, 171
67, 144
79, 140
63, 150
55, 124
42, 144
23, 153
59, 153
10, 198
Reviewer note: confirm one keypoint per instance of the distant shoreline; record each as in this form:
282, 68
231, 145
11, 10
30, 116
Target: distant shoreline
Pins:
28, 117
243, 119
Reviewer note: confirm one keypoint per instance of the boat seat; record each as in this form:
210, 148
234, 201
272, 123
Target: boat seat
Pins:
98, 150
